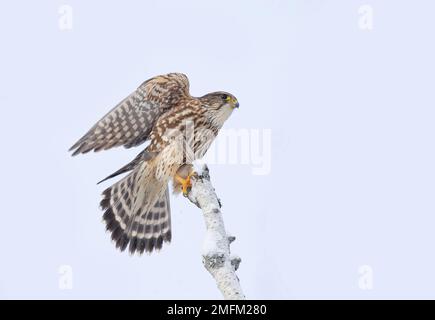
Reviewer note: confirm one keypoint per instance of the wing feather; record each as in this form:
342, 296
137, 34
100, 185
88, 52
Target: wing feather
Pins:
130, 122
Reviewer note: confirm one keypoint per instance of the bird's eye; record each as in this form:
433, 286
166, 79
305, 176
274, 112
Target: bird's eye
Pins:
224, 97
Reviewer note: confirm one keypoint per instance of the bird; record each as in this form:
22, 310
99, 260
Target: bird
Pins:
179, 129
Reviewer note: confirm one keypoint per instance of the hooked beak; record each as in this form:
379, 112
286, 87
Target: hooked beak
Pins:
235, 104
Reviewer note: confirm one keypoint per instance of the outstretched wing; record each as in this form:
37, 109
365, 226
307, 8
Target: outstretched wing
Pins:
130, 122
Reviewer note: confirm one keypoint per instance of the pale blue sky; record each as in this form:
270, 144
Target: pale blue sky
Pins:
351, 114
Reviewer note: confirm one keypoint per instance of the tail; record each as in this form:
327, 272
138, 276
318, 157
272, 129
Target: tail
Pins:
137, 211
143, 156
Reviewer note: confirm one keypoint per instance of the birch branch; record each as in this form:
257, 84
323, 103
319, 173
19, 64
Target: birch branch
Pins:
216, 256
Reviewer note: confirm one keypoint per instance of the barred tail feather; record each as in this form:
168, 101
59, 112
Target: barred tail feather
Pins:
130, 218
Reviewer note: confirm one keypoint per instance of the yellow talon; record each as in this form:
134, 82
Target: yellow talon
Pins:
185, 183
182, 178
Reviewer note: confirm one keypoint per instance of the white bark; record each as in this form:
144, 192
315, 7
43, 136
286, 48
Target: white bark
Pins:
216, 248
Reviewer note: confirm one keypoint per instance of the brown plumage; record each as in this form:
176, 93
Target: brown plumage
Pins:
180, 129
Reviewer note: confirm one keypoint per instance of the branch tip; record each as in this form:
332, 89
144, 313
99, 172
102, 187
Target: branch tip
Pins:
235, 262
231, 239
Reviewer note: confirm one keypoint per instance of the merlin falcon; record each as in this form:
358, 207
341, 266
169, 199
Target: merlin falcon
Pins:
180, 129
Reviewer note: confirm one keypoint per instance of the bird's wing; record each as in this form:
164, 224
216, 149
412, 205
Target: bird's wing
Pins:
130, 122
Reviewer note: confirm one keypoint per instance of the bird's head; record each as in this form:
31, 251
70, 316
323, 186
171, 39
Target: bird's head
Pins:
219, 105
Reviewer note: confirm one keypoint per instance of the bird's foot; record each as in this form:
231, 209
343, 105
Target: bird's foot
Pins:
185, 183
182, 179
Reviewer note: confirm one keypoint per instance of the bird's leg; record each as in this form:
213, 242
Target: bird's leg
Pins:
182, 178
